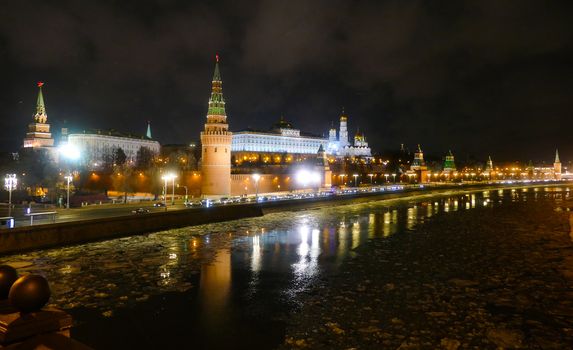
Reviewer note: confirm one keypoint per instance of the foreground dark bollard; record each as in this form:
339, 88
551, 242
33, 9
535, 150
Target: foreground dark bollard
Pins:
24, 321
8, 276
29, 293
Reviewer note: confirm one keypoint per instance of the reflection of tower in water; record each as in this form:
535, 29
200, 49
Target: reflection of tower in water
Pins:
215, 286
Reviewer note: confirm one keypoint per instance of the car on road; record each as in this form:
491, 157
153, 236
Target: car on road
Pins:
140, 211
159, 204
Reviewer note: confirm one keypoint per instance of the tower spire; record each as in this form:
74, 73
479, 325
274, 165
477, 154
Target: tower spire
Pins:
41, 116
557, 156
148, 133
216, 101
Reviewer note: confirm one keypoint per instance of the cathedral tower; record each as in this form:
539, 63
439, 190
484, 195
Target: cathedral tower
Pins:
557, 166
343, 132
216, 144
38, 135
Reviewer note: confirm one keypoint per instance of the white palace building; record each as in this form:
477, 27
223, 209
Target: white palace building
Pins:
283, 138
94, 146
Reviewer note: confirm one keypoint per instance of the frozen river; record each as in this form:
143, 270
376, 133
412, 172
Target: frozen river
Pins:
224, 284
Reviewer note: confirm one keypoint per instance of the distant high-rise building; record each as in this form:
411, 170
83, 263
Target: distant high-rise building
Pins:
216, 142
38, 135
557, 166
449, 163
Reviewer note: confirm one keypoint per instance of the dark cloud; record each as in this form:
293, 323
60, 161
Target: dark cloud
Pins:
481, 77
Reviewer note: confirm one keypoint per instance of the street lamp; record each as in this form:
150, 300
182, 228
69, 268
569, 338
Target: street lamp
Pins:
256, 177
69, 178
10, 182
167, 177
371, 175
386, 177
394, 177
355, 180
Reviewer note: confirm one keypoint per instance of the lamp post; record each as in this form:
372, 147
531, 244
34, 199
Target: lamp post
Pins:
165, 192
394, 177
69, 179
386, 177
256, 177
371, 175
173, 186
355, 180
10, 182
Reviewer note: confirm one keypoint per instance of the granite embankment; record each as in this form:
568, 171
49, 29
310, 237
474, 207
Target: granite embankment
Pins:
66, 233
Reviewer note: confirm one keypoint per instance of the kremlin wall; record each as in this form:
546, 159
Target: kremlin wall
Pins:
240, 163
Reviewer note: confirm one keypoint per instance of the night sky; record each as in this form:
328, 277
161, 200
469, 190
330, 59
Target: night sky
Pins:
479, 77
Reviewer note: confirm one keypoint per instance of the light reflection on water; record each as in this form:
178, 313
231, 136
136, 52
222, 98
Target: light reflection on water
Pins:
243, 264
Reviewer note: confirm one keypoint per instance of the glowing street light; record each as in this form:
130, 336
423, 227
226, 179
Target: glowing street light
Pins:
166, 178
386, 177
10, 182
69, 178
305, 177
256, 177
394, 177
355, 180
371, 175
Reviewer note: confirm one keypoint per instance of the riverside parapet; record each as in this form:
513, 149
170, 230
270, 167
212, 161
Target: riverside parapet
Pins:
66, 233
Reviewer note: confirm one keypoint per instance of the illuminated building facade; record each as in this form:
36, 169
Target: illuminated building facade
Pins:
95, 147
38, 135
341, 147
282, 139
216, 142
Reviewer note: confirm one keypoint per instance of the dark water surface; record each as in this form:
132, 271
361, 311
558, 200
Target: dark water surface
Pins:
229, 284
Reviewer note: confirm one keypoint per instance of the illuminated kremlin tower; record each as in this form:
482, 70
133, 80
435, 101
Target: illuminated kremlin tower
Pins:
557, 166
216, 144
449, 163
38, 135
419, 165
489, 165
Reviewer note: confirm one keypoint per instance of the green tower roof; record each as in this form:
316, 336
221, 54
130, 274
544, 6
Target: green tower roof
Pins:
148, 133
216, 101
40, 116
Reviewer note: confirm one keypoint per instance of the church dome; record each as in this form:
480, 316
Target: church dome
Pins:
282, 124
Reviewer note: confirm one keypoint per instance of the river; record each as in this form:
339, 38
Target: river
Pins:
230, 284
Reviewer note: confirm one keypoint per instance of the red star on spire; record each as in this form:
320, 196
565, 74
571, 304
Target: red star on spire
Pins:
40, 84
217, 57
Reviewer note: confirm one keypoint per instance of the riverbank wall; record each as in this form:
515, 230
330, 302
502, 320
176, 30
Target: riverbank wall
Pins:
67, 233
